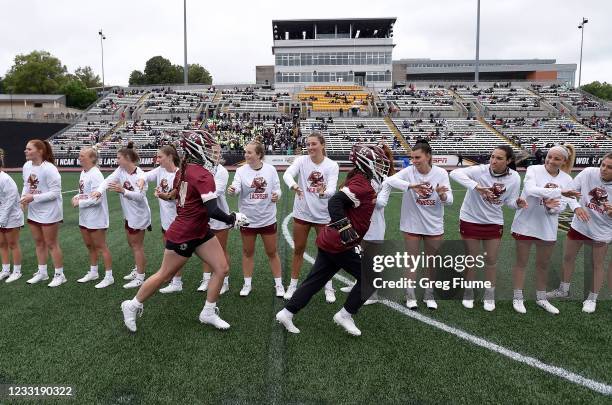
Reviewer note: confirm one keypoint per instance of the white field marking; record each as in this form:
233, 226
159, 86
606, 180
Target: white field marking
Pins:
593, 385
69, 191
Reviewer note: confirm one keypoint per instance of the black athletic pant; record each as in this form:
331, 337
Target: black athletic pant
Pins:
325, 266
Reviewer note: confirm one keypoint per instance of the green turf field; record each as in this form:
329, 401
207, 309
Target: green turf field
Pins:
74, 335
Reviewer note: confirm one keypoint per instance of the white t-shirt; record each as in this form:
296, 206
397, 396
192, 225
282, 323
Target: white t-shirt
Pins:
164, 181
255, 188
311, 207
45, 184
475, 208
93, 212
11, 215
594, 193
134, 202
376, 231
536, 220
221, 179
422, 214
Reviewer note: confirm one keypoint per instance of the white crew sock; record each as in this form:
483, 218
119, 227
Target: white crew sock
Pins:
278, 281
564, 286
518, 295
206, 277
59, 271
16, 268
135, 303
592, 296
177, 279
108, 273
247, 281
140, 276
6, 267
226, 280
287, 313
93, 269
489, 294
344, 313
329, 285
208, 304
42, 268
293, 282
541, 296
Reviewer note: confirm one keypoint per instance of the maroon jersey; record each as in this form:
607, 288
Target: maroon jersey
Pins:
360, 191
191, 220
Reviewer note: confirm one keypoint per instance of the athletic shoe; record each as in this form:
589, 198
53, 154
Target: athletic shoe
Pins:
489, 305
4, 274
469, 304
589, 306
224, 288
210, 316
38, 277
284, 318
519, 306
347, 323
131, 276
203, 285
290, 291
370, 302
134, 283
106, 281
280, 290
431, 304
558, 293
347, 289
246, 290
58, 280
547, 306
412, 304
90, 276
129, 315
16, 275
174, 286
330, 295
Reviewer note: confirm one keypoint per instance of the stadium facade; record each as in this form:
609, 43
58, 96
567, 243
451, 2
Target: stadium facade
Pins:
360, 51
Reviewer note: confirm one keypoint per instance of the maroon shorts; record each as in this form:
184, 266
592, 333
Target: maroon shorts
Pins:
419, 235
7, 230
471, 230
41, 224
575, 235
518, 236
133, 231
302, 222
91, 230
264, 230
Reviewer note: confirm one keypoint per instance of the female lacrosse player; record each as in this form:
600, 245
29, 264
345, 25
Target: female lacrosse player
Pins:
11, 222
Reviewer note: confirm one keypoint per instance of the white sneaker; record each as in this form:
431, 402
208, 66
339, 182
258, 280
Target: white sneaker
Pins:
106, 281
412, 304
131, 276
330, 295
347, 324
548, 306
290, 291
431, 304
224, 288
246, 290
38, 277
469, 304
16, 275
347, 289
90, 276
211, 316
519, 306
58, 280
558, 293
172, 287
370, 302
134, 283
203, 285
488, 305
589, 306
283, 318
280, 291
129, 315
4, 274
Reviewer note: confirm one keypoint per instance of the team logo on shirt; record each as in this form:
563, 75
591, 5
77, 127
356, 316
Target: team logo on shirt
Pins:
33, 183
163, 186
81, 187
424, 194
259, 184
548, 185
128, 186
316, 180
599, 196
498, 189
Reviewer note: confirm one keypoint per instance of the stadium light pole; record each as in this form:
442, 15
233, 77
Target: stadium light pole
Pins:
581, 28
477, 64
102, 38
185, 69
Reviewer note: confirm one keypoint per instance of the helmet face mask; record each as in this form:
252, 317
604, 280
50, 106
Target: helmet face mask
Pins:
200, 148
371, 160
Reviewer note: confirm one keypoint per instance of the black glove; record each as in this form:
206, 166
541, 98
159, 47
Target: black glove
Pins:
348, 235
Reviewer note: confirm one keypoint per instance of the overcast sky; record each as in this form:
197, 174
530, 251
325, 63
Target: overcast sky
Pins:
230, 37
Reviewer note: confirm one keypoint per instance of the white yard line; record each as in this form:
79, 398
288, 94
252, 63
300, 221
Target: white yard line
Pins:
593, 385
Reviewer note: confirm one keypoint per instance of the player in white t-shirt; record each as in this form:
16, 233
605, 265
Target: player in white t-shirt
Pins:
93, 218
11, 222
426, 191
547, 190
317, 180
42, 194
489, 187
126, 181
258, 187
591, 225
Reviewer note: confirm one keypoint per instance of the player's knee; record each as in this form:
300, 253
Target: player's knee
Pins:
271, 253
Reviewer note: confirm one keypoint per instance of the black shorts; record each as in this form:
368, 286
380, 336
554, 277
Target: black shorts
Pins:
186, 249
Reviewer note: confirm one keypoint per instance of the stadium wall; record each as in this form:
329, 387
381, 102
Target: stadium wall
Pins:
14, 135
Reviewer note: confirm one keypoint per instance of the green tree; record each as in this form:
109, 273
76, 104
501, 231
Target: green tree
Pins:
38, 72
137, 78
159, 70
77, 94
601, 90
87, 76
197, 74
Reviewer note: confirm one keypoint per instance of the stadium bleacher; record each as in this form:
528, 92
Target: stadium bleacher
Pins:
418, 102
